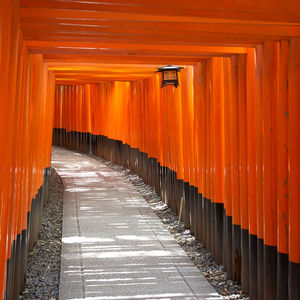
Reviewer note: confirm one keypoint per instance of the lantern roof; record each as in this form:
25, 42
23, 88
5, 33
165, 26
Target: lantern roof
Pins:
169, 68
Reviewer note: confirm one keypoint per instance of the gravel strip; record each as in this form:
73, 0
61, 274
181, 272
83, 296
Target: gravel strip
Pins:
205, 262
43, 266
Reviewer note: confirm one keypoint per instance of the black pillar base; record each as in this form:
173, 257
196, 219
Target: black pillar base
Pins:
227, 242
237, 255
282, 290
294, 280
260, 269
245, 259
253, 290
270, 263
218, 222
187, 206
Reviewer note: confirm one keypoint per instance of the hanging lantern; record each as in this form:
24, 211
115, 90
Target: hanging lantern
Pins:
169, 75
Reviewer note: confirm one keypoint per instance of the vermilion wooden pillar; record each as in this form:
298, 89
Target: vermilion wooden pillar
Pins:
282, 174
294, 168
259, 172
243, 175
235, 172
218, 154
228, 188
269, 98
251, 172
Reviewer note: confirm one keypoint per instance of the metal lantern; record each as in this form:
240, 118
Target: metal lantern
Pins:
169, 75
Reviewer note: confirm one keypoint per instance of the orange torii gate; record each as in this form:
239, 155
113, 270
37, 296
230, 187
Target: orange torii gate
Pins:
227, 138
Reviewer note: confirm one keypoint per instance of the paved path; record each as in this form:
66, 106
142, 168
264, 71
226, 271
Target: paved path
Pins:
114, 246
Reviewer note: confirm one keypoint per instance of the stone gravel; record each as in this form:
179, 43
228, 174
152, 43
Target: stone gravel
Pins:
43, 266
205, 262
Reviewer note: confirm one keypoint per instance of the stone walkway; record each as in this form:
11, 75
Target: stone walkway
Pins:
114, 246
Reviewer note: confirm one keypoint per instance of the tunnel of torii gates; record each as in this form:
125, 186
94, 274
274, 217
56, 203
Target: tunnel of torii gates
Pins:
81, 75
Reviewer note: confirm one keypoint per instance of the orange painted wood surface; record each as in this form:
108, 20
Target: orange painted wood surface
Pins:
294, 148
231, 129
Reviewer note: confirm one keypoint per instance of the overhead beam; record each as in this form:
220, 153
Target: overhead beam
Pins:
204, 39
154, 48
180, 11
137, 59
118, 26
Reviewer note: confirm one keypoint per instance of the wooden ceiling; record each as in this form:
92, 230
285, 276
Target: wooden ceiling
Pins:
151, 32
